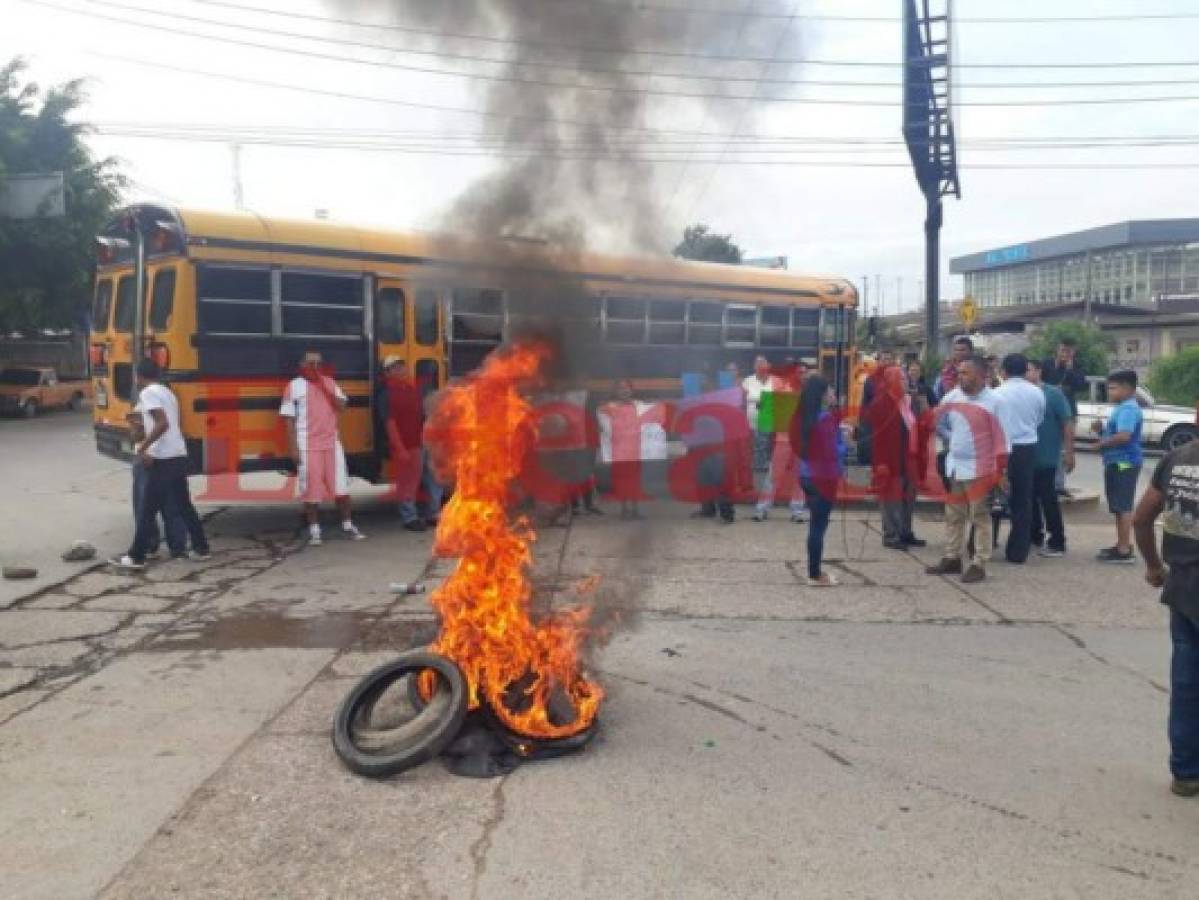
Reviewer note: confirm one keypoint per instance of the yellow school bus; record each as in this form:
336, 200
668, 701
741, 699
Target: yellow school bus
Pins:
229, 302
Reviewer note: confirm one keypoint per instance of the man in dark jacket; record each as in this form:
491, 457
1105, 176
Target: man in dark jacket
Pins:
1062, 372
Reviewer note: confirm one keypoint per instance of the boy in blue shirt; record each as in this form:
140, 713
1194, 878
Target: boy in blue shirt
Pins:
1120, 442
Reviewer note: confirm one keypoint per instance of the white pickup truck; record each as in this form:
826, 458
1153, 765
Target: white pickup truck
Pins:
1167, 427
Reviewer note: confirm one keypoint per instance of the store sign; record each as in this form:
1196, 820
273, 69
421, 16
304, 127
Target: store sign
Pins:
1009, 255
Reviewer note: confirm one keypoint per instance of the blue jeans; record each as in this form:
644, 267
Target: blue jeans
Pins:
430, 494
172, 521
1184, 698
822, 511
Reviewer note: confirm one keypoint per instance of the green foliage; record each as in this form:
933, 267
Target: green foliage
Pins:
45, 263
1093, 346
1175, 379
699, 243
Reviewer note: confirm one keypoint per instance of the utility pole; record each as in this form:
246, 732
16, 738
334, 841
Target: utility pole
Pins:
878, 293
239, 198
929, 134
866, 295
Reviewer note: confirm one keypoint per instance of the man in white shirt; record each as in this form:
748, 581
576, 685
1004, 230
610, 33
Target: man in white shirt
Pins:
1022, 411
969, 420
164, 453
754, 386
311, 405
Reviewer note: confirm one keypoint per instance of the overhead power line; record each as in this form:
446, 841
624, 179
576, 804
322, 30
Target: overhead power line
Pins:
640, 7
607, 88
539, 63
710, 57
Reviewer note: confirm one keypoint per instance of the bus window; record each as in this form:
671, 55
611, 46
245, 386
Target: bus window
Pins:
704, 323
428, 376
322, 305
102, 305
163, 304
389, 316
805, 329
478, 316
626, 320
775, 321
233, 300
667, 321
740, 326
424, 318
123, 317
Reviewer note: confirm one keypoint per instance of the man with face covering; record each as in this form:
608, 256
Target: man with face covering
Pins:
311, 405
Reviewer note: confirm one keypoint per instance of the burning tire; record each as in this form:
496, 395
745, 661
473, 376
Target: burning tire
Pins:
379, 750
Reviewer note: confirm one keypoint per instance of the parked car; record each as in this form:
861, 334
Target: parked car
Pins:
1168, 427
26, 390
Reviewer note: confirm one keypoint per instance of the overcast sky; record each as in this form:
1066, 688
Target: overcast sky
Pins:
848, 221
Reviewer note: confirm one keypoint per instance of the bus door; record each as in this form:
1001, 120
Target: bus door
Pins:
427, 359
393, 308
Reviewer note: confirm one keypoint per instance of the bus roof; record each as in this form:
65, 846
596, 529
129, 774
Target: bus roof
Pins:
249, 231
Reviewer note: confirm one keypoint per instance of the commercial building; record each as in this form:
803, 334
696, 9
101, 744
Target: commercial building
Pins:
1137, 263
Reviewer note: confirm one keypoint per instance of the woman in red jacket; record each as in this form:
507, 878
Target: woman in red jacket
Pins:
895, 458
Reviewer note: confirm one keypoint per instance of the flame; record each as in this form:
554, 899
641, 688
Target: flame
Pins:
480, 433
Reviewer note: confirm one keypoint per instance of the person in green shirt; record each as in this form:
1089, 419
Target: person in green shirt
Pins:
1055, 435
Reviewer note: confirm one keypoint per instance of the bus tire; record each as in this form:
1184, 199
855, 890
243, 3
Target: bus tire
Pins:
383, 752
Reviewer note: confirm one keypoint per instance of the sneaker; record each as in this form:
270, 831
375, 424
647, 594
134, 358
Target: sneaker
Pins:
894, 545
823, 580
798, 518
910, 540
314, 538
727, 520
126, 563
1050, 553
414, 525
761, 515
945, 567
199, 556
974, 575
350, 531
1185, 787
154, 554
1113, 555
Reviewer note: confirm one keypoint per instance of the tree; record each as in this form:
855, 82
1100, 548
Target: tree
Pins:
1092, 345
46, 263
1175, 379
699, 243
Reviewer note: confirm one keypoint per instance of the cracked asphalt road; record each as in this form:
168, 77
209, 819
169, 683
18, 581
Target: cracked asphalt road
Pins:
901, 736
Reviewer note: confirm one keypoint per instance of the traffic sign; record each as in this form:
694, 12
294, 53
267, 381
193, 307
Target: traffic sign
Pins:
968, 312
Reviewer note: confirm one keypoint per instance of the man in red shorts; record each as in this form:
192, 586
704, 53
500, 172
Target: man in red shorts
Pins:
311, 405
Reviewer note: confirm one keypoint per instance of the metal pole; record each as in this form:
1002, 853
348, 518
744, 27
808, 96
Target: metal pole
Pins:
239, 199
932, 277
139, 303
1086, 303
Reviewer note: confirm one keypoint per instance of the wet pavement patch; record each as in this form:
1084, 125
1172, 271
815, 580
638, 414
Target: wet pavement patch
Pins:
260, 630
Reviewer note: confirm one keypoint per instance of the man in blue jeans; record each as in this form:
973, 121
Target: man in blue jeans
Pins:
1175, 492
173, 528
